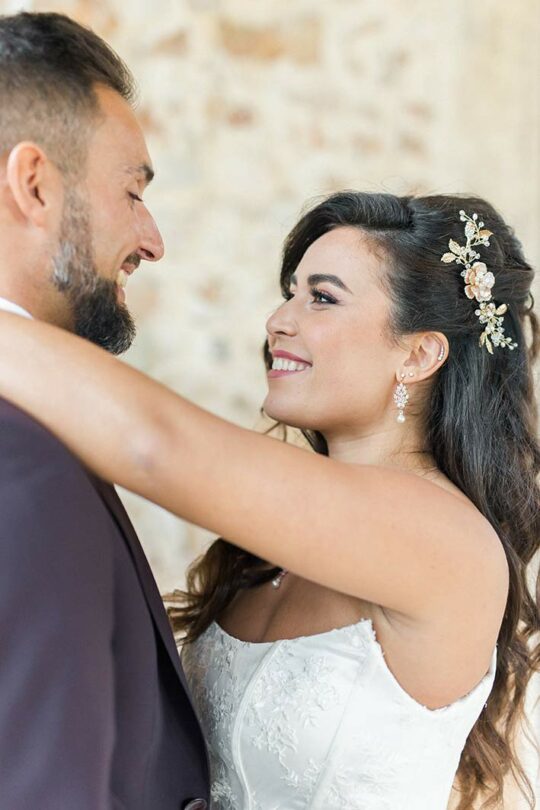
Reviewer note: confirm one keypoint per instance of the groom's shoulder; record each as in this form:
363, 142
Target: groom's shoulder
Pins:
23, 438
40, 477
46, 500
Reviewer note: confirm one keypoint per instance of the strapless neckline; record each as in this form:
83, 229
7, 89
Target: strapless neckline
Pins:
317, 636
366, 628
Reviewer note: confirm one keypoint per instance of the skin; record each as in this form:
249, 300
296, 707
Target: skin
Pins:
373, 531
119, 170
347, 394
31, 204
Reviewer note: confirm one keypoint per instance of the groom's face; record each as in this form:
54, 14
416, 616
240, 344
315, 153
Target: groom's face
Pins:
106, 229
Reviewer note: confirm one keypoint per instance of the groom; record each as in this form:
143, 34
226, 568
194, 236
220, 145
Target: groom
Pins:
94, 712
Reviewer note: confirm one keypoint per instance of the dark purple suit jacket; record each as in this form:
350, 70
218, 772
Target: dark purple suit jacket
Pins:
94, 709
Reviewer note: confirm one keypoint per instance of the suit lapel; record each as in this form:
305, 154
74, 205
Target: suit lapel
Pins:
148, 585
146, 578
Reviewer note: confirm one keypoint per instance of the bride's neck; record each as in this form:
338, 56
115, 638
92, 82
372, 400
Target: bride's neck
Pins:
388, 447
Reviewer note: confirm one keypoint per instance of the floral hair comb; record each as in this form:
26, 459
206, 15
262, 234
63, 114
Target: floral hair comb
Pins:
479, 282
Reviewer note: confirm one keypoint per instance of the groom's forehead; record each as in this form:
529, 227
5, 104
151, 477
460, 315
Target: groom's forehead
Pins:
118, 135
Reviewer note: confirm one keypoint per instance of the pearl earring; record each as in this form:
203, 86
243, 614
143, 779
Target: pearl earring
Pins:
401, 397
441, 354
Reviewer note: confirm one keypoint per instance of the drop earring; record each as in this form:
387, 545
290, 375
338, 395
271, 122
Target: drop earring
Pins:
401, 397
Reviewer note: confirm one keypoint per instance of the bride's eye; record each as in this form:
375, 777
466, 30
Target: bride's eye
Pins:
320, 297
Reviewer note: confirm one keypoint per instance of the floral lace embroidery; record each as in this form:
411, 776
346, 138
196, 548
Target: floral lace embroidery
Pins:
217, 702
297, 707
291, 686
369, 778
286, 689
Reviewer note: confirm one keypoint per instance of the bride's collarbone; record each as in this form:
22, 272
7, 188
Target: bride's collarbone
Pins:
296, 609
301, 608
434, 662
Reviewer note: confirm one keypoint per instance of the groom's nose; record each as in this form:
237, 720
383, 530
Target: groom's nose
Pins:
151, 247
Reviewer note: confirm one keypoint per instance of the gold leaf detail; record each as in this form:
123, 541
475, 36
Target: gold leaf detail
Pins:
485, 234
454, 247
501, 310
448, 257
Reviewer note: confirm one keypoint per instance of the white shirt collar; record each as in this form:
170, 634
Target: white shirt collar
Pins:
9, 306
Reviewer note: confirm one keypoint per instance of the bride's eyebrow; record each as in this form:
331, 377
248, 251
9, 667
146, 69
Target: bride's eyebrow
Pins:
318, 278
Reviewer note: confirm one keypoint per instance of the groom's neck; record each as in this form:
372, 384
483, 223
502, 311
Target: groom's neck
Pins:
39, 300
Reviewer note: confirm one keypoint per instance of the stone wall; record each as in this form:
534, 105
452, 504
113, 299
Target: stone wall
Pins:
251, 109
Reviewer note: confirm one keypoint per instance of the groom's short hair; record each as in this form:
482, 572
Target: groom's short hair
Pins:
49, 68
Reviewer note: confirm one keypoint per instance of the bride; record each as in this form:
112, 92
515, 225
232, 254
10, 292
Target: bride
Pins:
361, 635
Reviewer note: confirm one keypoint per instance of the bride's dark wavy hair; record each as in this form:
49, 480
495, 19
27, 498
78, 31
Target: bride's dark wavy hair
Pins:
480, 419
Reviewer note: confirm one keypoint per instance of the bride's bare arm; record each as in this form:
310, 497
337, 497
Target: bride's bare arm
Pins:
382, 535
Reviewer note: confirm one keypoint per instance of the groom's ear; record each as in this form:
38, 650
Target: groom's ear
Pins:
35, 186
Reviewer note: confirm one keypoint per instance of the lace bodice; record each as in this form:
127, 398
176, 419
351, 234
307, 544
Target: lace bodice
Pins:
320, 722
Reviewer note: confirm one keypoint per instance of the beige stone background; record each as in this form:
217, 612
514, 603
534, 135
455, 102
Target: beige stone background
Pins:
252, 108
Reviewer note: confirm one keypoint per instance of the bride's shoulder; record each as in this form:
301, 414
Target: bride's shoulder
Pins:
440, 493
442, 509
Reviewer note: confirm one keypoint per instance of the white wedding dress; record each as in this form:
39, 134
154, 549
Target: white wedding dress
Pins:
320, 722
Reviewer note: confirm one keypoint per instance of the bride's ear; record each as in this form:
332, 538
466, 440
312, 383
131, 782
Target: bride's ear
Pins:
428, 353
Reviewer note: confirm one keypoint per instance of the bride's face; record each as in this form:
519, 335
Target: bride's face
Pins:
335, 324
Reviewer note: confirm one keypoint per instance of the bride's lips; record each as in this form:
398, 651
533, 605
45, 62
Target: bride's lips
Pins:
287, 358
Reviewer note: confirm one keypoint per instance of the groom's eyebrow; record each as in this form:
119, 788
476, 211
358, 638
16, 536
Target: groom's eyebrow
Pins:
144, 169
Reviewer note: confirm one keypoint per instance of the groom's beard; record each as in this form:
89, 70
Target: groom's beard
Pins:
98, 315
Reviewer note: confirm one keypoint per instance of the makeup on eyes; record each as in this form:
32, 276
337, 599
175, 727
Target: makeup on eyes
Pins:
316, 294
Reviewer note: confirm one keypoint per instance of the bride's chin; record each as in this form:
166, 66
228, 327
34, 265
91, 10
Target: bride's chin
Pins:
286, 416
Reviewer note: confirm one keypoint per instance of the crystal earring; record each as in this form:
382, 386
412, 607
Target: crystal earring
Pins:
401, 397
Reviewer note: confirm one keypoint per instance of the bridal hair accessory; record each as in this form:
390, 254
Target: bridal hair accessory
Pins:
401, 397
479, 282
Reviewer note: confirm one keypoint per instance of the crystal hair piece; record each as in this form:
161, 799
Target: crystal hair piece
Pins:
479, 282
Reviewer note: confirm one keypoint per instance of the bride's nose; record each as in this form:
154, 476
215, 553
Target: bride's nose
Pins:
282, 321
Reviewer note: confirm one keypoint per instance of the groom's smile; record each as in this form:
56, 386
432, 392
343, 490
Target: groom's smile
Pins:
128, 267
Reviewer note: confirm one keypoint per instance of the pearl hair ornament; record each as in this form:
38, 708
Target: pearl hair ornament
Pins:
479, 282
